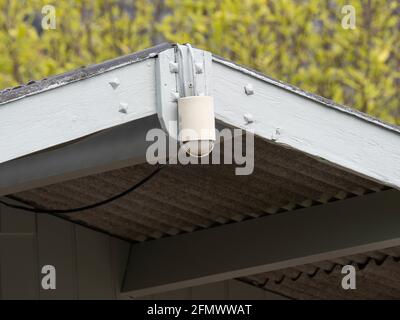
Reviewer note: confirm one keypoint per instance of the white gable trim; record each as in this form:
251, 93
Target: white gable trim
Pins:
76, 110
282, 114
291, 118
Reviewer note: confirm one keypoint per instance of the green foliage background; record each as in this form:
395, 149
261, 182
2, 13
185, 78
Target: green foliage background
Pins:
301, 42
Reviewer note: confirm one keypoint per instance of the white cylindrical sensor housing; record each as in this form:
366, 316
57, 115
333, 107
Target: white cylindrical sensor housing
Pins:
196, 124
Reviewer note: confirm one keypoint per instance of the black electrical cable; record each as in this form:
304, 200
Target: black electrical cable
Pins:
73, 210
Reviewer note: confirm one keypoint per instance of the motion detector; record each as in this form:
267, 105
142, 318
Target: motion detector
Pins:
196, 125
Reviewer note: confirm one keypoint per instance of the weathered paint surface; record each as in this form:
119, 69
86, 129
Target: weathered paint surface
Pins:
117, 147
76, 110
35, 87
336, 135
302, 93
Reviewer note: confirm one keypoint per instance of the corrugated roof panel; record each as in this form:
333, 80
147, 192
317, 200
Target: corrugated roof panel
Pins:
192, 197
188, 198
377, 277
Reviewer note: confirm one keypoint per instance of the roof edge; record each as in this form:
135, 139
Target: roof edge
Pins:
36, 87
308, 95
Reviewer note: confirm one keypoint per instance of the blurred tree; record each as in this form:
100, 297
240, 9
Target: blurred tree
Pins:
301, 42
87, 31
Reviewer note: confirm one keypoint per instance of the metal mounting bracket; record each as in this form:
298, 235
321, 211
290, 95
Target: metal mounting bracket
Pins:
175, 74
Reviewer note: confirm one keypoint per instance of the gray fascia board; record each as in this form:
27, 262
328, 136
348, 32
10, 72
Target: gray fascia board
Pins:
308, 95
35, 87
66, 113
